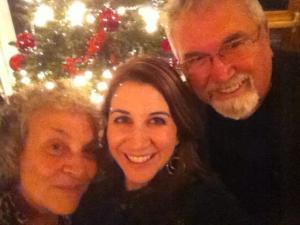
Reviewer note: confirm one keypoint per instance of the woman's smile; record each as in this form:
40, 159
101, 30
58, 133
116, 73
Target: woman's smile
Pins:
139, 159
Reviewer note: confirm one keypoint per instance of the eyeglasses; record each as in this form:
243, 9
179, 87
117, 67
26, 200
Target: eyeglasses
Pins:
236, 48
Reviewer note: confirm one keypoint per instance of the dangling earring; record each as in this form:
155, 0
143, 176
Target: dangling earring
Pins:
175, 164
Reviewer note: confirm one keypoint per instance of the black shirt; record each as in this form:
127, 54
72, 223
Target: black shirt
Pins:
256, 157
196, 203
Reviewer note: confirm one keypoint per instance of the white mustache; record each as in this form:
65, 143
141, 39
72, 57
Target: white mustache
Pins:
235, 81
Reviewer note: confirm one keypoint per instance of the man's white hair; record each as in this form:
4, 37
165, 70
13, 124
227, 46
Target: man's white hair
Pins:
174, 8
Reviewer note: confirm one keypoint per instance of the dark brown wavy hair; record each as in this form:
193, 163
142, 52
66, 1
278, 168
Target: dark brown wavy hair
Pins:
183, 104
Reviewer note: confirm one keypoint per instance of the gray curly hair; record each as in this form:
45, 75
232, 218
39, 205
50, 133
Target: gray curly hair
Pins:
174, 8
15, 114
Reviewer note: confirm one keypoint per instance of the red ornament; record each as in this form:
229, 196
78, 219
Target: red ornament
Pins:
109, 19
95, 43
25, 41
165, 45
72, 65
16, 61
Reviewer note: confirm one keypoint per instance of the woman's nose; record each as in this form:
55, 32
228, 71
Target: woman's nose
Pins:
138, 138
75, 166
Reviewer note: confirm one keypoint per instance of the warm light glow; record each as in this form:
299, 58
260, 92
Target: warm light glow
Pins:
23, 73
88, 75
151, 17
90, 18
106, 5
102, 86
79, 81
96, 98
50, 85
43, 14
41, 75
26, 80
133, 52
76, 13
121, 10
107, 74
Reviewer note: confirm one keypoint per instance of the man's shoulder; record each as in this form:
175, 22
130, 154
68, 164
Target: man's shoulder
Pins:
209, 202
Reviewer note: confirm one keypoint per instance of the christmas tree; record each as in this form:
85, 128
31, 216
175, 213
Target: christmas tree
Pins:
84, 40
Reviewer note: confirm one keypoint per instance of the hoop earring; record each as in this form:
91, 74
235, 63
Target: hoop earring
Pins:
175, 166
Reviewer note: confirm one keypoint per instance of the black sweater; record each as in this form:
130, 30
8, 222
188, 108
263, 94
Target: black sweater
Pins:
258, 158
195, 203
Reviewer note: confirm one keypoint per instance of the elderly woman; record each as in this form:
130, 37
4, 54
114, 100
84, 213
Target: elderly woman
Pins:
153, 173
48, 147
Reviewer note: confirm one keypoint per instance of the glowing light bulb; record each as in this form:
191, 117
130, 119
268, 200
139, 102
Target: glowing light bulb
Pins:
102, 86
76, 13
50, 85
96, 98
25, 80
88, 75
133, 52
79, 81
90, 18
41, 75
107, 74
23, 73
121, 10
43, 14
151, 17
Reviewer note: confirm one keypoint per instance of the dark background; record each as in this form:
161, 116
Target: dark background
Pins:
274, 4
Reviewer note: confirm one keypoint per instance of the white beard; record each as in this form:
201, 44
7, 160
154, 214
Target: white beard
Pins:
240, 107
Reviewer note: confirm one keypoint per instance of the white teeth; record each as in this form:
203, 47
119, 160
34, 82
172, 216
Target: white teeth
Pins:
233, 87
230, 89
138, 159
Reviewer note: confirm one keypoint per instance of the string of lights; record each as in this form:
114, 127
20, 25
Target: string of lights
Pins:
85, 41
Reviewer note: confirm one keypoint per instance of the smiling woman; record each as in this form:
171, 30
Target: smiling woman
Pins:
153, 174
48, 154
141, 132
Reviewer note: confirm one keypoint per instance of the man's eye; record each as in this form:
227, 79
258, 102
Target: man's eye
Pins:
195, 59
55, 148
234, 44
158, 121
122, 119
